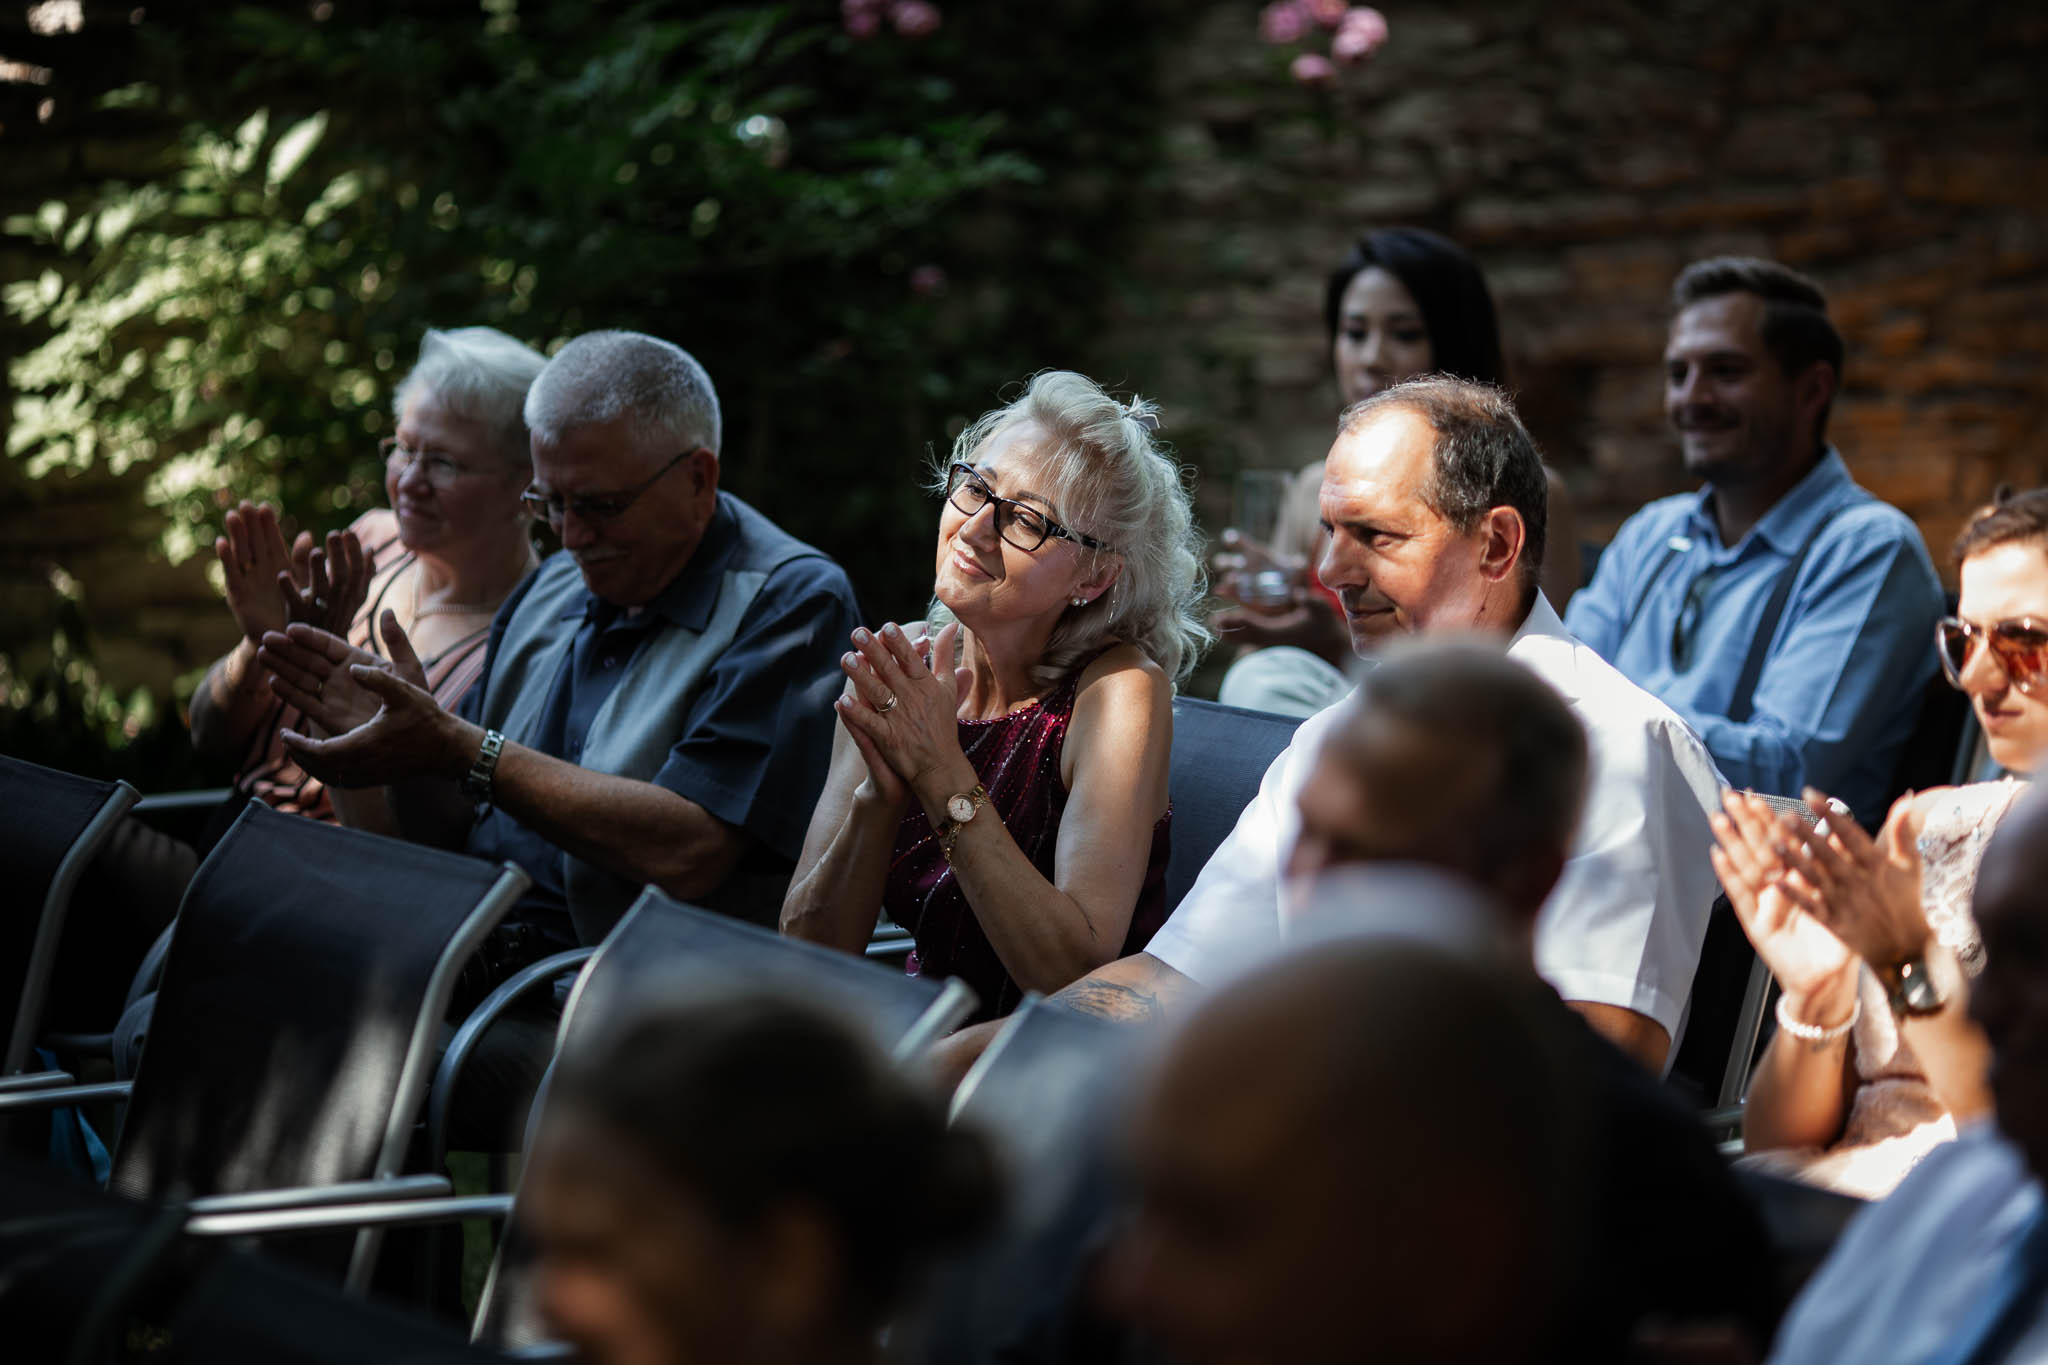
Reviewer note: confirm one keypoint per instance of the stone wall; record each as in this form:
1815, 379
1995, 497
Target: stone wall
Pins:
1585, 152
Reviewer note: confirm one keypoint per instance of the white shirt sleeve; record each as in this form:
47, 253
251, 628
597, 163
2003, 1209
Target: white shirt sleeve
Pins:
1625, 922
1230, 918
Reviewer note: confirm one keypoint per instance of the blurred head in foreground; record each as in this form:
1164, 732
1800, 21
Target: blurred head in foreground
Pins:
1454, 756
704, 1189
1367, 1153
2009, 999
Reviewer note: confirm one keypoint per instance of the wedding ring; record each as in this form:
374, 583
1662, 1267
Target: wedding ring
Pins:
888, 705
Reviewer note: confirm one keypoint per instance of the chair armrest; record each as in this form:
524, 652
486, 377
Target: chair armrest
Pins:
35, 1080
58, 1097
441, 1095
395, 1213
314, 1196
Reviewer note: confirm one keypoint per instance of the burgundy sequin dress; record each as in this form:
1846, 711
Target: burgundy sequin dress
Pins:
1018, 758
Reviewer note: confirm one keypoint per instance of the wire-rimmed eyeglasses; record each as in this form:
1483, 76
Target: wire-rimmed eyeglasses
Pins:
593, 509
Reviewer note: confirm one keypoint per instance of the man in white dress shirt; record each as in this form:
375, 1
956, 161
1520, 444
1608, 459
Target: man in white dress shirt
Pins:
1952, 1269
1434, 497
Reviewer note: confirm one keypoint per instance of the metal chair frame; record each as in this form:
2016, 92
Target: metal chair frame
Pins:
50, 926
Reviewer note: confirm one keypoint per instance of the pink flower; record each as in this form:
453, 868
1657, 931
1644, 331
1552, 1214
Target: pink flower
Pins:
914, 18
1311, 69
1328, 13
1284, 21
1360, 34
927, 280
861, 18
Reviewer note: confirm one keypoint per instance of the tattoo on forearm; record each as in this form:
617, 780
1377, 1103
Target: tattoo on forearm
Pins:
1110, 1000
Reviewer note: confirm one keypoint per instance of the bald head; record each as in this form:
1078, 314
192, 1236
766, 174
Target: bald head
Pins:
1455, 756
1344, 1152
2009, 999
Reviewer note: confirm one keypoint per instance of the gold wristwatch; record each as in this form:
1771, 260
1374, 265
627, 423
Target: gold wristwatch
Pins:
960, 808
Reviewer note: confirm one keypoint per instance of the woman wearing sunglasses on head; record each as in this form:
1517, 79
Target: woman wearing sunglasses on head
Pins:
1871, 940
998, 784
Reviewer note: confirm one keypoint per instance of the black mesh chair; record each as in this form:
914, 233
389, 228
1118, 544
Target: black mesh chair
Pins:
55, 824
1220, 753
85, 1275
662, 952
1048, 1092
295, 1025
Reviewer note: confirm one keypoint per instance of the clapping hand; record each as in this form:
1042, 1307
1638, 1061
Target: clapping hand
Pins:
1798, 945
269, 586
902, 715
386, 725
1867, 890
326, 588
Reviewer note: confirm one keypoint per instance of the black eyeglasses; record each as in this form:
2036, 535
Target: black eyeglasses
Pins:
2020, 645
593, 509
1021, 524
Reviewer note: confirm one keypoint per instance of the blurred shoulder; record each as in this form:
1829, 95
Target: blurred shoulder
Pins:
1123, 678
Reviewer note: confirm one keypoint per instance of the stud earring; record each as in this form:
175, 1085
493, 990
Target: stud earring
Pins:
1080, 601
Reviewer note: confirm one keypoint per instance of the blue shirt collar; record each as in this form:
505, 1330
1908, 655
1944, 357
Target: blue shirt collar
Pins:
1793, 516
690, 596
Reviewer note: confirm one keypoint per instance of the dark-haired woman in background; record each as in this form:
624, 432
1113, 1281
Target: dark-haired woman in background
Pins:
1402, 302
704, 1189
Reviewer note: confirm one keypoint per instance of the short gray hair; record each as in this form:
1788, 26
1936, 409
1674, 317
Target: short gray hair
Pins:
1108, 477
1483, 458
602, 376
478, 373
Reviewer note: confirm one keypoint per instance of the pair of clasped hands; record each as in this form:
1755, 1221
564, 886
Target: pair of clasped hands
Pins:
295, 605
901, 707
1816, 898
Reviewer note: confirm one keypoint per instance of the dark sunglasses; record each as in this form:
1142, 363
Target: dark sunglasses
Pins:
2020, 645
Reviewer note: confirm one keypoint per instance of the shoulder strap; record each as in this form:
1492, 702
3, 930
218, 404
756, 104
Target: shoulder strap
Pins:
1743, 699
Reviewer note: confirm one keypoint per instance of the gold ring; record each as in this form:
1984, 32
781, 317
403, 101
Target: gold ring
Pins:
888, 705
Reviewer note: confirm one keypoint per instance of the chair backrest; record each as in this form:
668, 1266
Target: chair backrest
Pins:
666, 953
55, 823
1730, 989
1049, 1093
300, 1003
1220, 754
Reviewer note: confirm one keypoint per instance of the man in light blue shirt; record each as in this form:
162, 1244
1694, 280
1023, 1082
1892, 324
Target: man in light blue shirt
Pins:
1783, 611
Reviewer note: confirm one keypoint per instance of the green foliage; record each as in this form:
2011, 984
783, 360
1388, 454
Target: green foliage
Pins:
750, 182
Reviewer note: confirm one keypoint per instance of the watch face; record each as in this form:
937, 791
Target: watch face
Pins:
960, 807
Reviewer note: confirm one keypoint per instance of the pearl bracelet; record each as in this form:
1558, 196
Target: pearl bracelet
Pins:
1814, 1033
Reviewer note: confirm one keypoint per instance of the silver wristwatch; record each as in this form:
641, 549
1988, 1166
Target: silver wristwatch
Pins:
476, 783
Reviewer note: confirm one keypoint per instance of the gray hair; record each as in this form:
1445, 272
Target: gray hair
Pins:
602, 376
1483, 458
1109, 477
478, 373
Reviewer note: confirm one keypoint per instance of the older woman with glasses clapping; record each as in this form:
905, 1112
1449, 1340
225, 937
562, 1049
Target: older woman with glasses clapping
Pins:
999, 781
447, 551
1872, 940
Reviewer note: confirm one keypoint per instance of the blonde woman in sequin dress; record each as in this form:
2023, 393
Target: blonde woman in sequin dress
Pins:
998, 784
1865, 1090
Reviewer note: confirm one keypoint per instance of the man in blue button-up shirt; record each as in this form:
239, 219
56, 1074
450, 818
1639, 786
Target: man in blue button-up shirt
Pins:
1751, 369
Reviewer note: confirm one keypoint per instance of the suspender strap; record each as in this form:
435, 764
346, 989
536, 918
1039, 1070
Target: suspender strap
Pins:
1743, 700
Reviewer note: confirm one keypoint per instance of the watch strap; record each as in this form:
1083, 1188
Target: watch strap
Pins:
476, 783
950, 832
